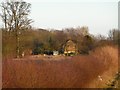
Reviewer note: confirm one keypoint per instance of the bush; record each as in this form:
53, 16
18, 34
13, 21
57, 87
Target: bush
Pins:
48, 52
86, 45
108, 54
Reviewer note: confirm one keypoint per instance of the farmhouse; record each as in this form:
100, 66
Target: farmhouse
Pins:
70, 48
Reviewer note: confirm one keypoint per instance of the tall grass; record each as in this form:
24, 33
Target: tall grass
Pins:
69, 72
109, 57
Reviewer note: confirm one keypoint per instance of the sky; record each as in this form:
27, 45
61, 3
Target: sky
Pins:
99, 16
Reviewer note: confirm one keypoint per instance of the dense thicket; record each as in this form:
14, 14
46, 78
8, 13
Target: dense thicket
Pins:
40, 41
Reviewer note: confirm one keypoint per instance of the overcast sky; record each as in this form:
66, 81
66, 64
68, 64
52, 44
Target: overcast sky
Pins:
99, 15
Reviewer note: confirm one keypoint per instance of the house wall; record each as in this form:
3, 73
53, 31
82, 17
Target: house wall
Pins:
70, 47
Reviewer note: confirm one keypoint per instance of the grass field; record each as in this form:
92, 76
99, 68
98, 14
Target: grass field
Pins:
82, 71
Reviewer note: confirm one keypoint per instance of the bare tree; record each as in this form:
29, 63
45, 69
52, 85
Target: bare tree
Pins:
14, 15
114, 35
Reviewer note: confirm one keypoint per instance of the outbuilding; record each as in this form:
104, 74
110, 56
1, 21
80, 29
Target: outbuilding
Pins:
70, 48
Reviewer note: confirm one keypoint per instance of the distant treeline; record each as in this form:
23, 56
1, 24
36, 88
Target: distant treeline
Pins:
40, 41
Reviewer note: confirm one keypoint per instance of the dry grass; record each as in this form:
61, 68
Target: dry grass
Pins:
78, 71
109, 57
108, 54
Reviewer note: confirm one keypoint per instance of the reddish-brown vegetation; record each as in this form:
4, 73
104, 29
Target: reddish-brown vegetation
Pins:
78, 71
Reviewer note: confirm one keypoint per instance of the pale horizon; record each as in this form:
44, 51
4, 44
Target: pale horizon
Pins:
99, 16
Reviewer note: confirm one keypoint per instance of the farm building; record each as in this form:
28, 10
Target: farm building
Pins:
70, 48
55, 53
